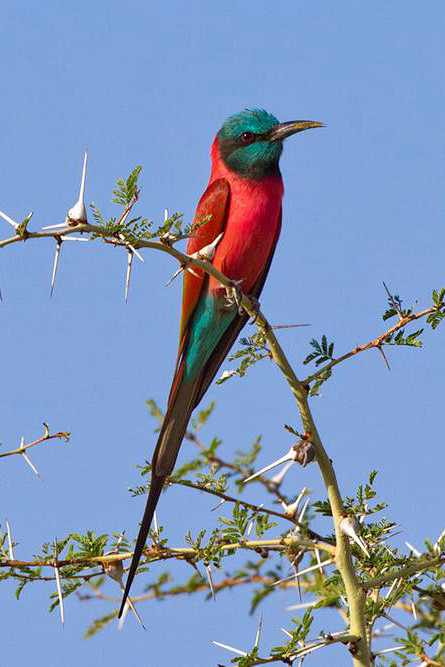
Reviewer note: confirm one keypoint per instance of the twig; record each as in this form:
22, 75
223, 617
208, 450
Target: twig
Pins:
61, 435
376, 343
403, 573
325, 546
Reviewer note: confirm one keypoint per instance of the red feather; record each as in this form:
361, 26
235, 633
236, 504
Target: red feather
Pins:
213, 202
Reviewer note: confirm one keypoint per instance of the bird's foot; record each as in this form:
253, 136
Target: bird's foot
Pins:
234, 296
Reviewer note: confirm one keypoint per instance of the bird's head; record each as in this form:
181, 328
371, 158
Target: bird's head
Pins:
251, 142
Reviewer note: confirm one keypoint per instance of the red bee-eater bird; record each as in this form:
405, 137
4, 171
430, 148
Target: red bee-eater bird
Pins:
243, 199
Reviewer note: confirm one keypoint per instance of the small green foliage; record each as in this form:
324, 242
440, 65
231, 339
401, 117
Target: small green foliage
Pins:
90, 544
262, 524
67, 587
246, 458
322, 352
435, 318
126, 191
299, 634
98, 624
320, 380
253, 350
22, 227
291, 429
97, 215
210, 482
239, 526
400, 339
202, 417
395, 308
259, 595
155, 411
236, 527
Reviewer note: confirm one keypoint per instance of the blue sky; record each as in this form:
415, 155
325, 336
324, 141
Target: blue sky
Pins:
151, 83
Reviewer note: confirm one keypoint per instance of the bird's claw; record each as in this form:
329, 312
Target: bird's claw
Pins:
234, 296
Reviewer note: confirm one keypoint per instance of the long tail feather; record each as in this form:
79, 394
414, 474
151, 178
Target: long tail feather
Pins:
156, 486
182, 402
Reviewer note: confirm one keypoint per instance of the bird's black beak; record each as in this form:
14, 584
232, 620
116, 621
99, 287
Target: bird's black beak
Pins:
284, 130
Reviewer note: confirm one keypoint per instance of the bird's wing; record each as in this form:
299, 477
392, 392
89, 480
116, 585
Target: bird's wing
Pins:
231, 334
215, 203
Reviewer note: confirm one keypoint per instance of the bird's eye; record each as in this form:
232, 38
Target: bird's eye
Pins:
247, 137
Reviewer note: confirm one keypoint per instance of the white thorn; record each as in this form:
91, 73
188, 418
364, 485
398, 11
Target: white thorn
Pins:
138, 254
127, 278
210, 580
114, 569
382, 630
287, 633
278, 478
193, 272
61, 224
302, 605
69, 237
290, 510
129, 603
55, 266
32, 466
8, 219
84, 178
59, 587
290, 456
175, 275
350, 526
442, 534
218, 505
303, 511
165, 214
121, 537
391, 588
155, 522
28, 460
413, 609
319, 566
230, 648
389, 650
124, 615
77, 213
393, 620
258, 632
10, 548
208, 251
415, 551
123, 220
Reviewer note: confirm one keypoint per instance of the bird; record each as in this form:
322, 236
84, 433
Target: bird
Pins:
242, 205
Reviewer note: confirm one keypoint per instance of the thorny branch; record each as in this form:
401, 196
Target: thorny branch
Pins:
354, 593
62, 435
341, 554
377, 343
